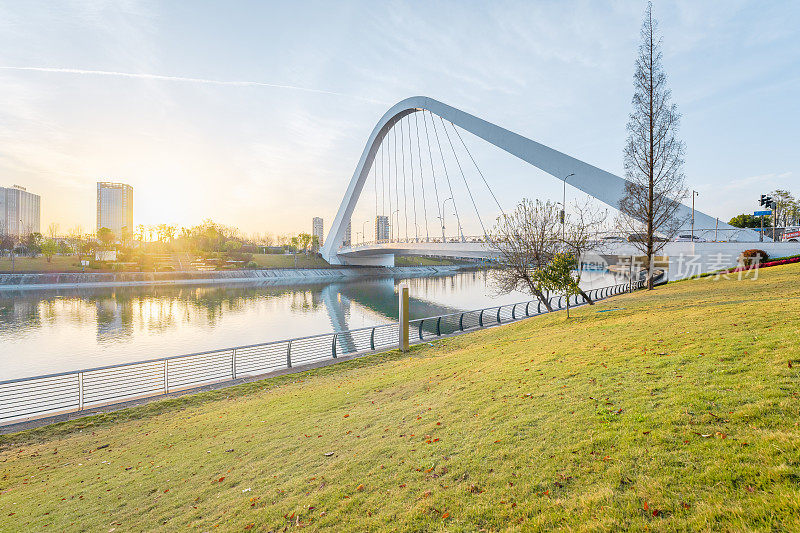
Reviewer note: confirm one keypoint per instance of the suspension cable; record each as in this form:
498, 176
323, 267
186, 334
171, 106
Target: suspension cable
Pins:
413, 185
478, 168
433, 172
447, 175
389, 168
396, 181
383, 184
405, 185
486, 235
422, 180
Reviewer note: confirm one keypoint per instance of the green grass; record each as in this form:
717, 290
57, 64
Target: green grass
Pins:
675, 410
71, 264
58, 263
406, 260
287, 261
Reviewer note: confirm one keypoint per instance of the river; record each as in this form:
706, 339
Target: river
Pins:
48, 331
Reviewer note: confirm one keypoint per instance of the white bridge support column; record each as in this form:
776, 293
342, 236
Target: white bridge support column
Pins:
603, 185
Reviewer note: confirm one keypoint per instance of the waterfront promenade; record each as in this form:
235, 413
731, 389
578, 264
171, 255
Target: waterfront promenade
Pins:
667, 410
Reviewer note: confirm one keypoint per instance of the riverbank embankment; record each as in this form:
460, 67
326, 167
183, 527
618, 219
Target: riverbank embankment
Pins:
55, 280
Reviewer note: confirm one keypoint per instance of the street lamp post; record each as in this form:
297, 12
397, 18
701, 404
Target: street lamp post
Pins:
391, 217
564, 220
563, 211
364, 231
694, 193
444, 238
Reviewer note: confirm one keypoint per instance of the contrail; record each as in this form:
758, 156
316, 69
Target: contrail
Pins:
186, 80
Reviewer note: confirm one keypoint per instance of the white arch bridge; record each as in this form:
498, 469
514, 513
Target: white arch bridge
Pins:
426, 127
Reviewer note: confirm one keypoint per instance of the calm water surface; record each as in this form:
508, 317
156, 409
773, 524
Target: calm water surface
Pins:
48, 331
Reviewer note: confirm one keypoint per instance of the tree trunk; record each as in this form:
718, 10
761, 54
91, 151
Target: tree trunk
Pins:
536, 292
585, 296
650, 169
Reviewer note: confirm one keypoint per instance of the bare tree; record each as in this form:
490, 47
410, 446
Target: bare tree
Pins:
525, 240
653, 154
785, 206
52, 230
529, 238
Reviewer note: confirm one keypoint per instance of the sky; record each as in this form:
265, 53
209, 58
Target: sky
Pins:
255, 114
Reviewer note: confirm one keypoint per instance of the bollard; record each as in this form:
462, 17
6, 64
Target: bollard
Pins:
403, 315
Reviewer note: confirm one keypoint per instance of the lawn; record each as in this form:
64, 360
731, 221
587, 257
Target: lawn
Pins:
407, 260
57, 263
70, 263
287, 261
676, 409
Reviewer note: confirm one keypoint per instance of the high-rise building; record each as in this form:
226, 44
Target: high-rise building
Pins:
19, 211
381, 228
347, 241
317, 229
115, 208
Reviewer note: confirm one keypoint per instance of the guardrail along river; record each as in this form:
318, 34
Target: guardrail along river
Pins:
50, 331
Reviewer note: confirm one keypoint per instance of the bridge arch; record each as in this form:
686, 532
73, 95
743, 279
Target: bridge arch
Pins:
605, 186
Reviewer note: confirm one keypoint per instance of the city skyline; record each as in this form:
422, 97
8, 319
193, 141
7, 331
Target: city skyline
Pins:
115, 208
20, 211
260, 133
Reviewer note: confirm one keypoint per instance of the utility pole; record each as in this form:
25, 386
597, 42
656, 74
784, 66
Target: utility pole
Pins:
564, 221
765, 201
563, 210
694, 193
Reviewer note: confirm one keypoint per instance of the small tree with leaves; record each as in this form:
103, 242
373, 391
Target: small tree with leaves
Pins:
653, 154
106, 237
559, 276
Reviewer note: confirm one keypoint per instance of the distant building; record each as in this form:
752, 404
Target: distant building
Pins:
115, 208
347, 241
19, 211
317, 229
381, 228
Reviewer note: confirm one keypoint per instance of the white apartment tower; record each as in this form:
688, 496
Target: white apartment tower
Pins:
317, 229
19, 211
381, 228
115, 208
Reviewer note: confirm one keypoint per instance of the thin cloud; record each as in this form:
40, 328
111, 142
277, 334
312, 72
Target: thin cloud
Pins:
183, 79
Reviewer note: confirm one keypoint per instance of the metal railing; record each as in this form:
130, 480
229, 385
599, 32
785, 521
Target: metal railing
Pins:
47, 395
598, 240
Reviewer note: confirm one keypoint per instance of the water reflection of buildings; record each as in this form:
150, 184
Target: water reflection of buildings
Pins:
114, 319
122, 313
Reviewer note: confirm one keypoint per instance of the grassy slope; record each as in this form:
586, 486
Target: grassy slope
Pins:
680, 404
407, 260
287, 261
58, 263
70, 263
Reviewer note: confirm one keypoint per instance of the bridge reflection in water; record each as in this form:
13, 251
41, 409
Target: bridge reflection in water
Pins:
94, 327
60, 330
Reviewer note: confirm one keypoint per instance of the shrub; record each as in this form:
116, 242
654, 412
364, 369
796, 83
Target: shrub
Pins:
749, 257
252, 264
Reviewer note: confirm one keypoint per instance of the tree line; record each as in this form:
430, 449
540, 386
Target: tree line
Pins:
786, 213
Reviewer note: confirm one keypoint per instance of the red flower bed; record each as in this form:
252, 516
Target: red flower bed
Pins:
769, 264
